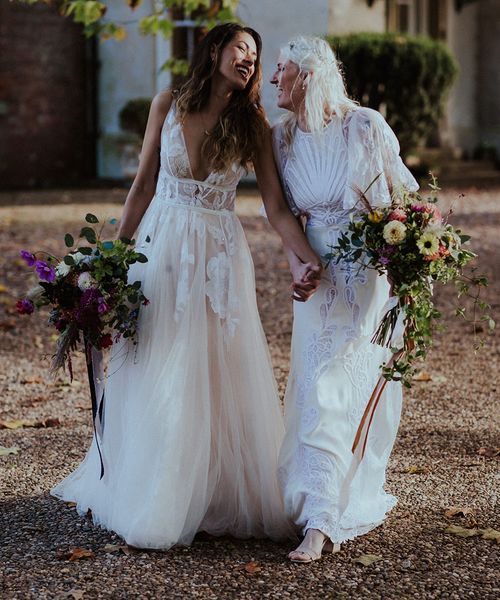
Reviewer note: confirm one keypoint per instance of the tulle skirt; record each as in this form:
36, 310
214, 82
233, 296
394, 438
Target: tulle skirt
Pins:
192, 422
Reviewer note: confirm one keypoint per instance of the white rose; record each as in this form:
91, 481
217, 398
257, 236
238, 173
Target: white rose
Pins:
394, 232
78, 257
62, 269
85, 281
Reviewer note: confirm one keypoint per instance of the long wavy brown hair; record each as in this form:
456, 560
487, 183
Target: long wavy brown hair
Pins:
242, 125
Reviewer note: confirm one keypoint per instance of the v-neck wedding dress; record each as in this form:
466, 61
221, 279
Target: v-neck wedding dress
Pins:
193, 423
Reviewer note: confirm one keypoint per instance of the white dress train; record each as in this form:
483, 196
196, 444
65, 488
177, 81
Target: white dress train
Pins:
192, 424
334, 366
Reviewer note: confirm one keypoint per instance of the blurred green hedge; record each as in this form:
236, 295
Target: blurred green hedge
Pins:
411, 75
133, 116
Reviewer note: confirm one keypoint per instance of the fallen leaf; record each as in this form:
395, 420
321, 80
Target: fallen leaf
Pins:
5, 451
49, 422
74, 554
83, 407
16, 424
414, 470
32, 400
462, 531
33, 380
422, 376
71, 504
110, 548
8, 324
457, 511
38, 342
367, 559
3, 289
489, 452
123, 548
252, 567
23, 423
490, 534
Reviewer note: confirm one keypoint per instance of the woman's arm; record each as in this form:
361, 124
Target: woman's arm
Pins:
144, 185
278, 213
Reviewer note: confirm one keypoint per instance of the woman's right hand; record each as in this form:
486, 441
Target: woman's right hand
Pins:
306, 280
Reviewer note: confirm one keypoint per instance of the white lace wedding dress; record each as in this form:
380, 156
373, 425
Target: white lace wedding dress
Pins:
334, 367
192, 424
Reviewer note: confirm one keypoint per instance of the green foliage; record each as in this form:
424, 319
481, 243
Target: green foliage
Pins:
410, 75
133, 117
91, 14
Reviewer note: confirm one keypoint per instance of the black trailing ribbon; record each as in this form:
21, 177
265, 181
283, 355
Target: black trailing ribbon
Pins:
96, 384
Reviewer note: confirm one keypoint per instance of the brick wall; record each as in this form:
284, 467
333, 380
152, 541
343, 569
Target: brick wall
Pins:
46, 98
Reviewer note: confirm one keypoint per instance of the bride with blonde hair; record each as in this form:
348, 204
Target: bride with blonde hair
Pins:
328, 150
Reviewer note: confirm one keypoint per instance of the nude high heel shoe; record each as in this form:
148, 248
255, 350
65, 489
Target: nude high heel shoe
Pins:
306, 554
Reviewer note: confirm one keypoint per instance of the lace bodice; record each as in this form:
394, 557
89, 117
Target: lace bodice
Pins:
175, 179
322, 174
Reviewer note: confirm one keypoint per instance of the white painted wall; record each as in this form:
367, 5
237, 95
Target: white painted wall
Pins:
128, 69
279, 20
460, 130
352, 16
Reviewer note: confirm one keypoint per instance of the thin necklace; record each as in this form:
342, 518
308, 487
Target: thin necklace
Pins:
206, 131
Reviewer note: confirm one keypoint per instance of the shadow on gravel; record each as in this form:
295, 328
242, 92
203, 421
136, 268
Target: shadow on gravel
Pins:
37, 527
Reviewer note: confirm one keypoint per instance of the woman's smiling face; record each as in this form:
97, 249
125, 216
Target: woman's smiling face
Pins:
290, 84
237, 60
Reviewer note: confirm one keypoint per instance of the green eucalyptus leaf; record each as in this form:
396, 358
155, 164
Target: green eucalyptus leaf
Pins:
69, 240
89, 234
90, 218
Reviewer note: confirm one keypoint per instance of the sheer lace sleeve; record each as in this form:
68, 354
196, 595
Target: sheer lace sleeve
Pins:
281, 156
373, 149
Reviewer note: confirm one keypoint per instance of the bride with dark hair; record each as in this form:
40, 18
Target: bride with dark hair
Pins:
192, 418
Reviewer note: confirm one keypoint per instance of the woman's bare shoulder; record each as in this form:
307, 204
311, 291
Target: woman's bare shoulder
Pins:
161, 103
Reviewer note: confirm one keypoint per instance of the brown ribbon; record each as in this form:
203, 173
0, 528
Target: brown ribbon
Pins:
372, 406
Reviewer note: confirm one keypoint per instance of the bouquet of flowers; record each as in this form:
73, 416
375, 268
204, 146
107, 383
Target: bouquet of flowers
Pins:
415, 246
88, 291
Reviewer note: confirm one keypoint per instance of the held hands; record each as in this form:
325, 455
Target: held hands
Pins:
306, 280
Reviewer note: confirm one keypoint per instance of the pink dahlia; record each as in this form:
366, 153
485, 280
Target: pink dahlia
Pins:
398, 214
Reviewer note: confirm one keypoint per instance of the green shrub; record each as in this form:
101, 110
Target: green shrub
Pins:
134, 116
411, 75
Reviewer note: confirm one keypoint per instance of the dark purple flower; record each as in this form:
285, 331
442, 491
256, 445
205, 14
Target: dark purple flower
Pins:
89, 297
25, 306
28, 257
384, 260
86, 314
102, 307
388, 250
45, 273
60, 324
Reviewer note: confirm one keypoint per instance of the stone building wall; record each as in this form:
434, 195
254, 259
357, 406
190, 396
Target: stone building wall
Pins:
488, 73
46, 122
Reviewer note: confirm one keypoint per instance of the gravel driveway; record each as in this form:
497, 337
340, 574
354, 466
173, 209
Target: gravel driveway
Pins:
446, 454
